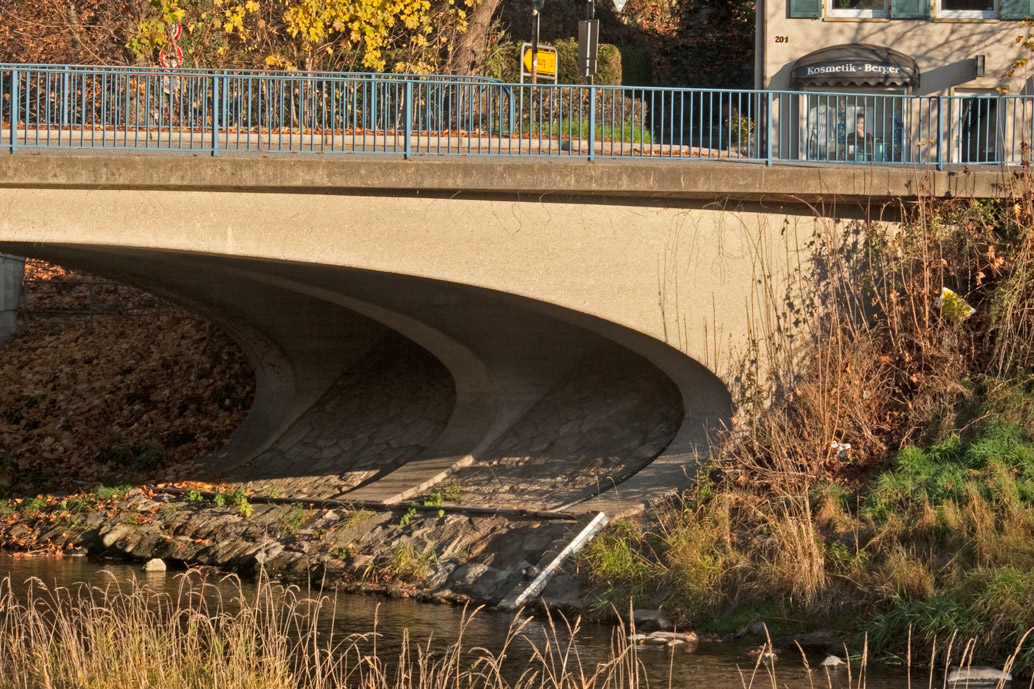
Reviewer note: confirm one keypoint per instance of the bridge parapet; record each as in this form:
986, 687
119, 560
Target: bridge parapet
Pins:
125, 108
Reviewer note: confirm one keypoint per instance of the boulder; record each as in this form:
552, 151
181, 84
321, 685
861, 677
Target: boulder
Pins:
685, 637
564, 592
651, 620
154, 565
484, 582
114, 534
822, 641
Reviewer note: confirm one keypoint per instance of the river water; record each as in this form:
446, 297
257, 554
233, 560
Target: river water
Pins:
709, 666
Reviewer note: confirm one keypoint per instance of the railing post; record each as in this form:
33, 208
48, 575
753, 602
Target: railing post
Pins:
373, 113
216, 108
769, 129
15, 98
513, 110
65, 97
407, 119
592, 123
940, 132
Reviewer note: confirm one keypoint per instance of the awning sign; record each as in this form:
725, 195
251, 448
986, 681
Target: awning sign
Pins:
853, 69
855, 64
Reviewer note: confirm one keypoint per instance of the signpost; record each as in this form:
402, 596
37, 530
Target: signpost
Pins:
171, 57
536, 19
541, 64
588, 47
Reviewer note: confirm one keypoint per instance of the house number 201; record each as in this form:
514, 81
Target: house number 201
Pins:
782, 39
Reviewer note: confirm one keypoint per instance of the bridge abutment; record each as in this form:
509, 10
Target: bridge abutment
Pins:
12, 269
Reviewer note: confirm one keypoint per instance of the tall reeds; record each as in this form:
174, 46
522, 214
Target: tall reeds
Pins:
128, 636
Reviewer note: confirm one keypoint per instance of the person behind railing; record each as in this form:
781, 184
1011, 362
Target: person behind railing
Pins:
860, 143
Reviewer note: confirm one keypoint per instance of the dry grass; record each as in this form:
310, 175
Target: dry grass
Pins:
129, 636
885, 368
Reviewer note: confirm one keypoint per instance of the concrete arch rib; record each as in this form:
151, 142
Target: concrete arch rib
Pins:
706, 411
504, 362
519, 368
477, 403
287, 384
574, 343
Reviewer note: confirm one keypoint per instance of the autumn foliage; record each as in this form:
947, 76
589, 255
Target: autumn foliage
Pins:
80, 32
345, 35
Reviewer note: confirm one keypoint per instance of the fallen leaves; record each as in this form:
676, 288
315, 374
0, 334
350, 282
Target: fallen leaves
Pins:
140, 397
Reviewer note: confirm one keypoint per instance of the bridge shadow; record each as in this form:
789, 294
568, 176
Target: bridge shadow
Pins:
366, 379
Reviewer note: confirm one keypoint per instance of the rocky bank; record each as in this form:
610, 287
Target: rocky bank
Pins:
425, 552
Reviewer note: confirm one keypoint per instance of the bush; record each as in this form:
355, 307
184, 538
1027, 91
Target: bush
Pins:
608, 64
143, 456
504, 63
636, 67
614, 562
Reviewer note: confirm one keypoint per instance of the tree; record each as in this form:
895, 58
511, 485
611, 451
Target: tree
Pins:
472, 44
216, 33
403, 35
69, 31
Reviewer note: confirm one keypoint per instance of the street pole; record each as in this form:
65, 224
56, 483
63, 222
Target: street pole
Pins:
590, 14
536, 16
536, 20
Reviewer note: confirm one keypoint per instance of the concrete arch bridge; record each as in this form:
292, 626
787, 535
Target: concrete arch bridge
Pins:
548, 334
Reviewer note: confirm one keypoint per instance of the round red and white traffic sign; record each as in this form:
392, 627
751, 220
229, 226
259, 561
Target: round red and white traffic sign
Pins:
173, 32
171, 57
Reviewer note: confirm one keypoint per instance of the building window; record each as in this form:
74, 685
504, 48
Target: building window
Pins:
967, 9
858, 8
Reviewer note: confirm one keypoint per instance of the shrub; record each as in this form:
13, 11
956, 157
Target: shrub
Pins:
636, 67
504, 63
614, 562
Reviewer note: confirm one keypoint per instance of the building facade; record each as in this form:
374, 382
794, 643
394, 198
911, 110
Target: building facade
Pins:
960, 51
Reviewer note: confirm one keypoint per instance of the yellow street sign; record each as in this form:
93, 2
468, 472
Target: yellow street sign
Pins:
546, 62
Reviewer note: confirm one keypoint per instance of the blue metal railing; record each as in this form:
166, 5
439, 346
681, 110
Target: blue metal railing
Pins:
129, 108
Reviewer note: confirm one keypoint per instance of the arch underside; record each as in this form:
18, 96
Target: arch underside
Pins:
379, 386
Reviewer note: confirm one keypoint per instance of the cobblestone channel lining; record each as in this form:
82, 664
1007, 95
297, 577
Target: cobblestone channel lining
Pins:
604, 421
382, 412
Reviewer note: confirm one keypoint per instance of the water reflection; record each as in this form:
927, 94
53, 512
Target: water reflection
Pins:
710, 666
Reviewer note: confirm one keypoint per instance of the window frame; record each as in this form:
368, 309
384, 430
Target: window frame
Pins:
836, 12
968, 14
957, 136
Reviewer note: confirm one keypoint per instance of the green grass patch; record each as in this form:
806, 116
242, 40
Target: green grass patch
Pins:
579, 129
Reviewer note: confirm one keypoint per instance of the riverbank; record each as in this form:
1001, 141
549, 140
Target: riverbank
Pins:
888, 492
103, 383
126, 611
197, 630
117, 589
428, 553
